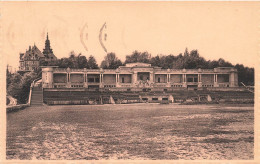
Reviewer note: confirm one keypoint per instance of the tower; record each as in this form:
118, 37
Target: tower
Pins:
47, 51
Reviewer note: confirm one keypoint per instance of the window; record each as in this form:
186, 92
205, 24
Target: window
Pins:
145, 99
91, 80
190, 79
165, 98
154, 98
123, 80
97, 80
159, 80
141, 77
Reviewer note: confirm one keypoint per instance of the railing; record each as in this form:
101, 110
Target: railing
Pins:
223, 84
125, 84
109, 70
93, 70
160, 84
31, 87
207, 70
249, 88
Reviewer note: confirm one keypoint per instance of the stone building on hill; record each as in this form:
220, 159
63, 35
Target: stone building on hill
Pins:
31, 59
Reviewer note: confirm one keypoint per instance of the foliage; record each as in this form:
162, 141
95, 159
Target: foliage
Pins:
111, 61
19, 86
92, 64
73, 61
245, 74
142, 57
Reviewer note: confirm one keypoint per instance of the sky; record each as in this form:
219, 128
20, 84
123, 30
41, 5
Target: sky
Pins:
226, 30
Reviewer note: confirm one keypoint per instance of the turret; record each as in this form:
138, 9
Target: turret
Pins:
47, 50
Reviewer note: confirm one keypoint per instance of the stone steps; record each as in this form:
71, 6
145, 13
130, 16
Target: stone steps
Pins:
37, 97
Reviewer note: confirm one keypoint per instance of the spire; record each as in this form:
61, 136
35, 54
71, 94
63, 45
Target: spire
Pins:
47, 50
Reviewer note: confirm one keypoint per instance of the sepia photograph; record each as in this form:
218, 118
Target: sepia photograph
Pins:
129, 80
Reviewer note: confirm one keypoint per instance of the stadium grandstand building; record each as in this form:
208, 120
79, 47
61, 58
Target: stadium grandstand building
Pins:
136, 76
141, 83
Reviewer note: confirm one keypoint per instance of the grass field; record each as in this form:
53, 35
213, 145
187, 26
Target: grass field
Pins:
136, 131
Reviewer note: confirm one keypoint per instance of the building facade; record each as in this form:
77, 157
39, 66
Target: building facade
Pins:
32, 58
138, 75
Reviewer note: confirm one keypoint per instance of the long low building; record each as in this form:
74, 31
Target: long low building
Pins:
138, 75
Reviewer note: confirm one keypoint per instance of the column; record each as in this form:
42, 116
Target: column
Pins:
101, 85
134, 79
184, 84
216, 80
199, 80
85, 80
68, 80
151, 79
168, 81
117, 80
233, 79
50, 77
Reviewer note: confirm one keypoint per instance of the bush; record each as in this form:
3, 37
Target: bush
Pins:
19, 86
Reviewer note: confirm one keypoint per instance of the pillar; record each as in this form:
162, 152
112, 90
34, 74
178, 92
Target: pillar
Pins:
85, 80
151, 77
184, 83
68, 80
216, 80
199, 80
101, 84
117, 80
47, 77
168, 80
233, 79
134, 79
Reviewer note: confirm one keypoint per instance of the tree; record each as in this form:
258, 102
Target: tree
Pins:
164, 61
223, 63
186, 52
245, 74
111, 61
82, 62
92, 64
156, 61
73, 61
19, 87
143, 57
8, 77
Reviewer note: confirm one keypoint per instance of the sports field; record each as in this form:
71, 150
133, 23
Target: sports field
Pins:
135, 131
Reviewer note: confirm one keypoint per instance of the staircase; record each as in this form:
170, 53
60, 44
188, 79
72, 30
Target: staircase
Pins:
37, 96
